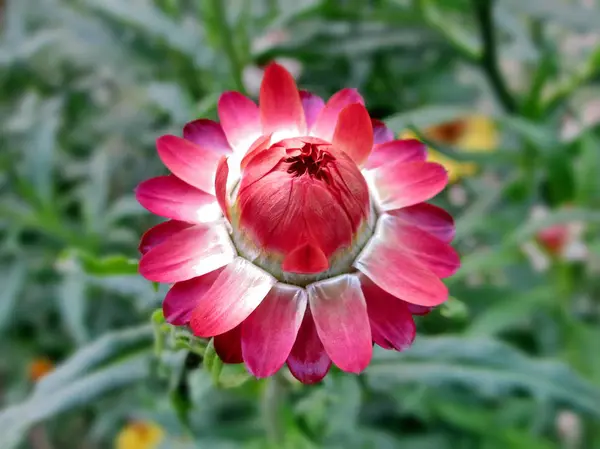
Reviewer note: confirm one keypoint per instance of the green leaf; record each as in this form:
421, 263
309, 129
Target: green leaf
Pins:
212, 363
72, 303
80, 380
115, 265
568, 14
12, 283
150, 20
487, 425
587, 169
111, 345
42, 405
222, 374
560, 179
484, 260
511, 311
454, 309
233, 375
543, 136
483, 366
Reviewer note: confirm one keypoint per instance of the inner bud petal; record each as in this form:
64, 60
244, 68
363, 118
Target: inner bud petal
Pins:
312, 200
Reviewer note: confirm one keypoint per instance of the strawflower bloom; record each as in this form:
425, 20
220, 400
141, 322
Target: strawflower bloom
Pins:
299, 231
469, 134
39, 368
140, 435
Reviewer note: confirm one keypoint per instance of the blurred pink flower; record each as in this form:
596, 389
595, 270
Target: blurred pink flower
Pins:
298, 231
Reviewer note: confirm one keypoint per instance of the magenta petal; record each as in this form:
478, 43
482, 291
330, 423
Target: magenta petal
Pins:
405, 184
170, 197
238, 290
392, 324
326, 121
192, 252
340, 314
312, 105
189, 162
160, 233
221, 186
240, 119
354, 133
437, 256
308, 362
182, 298
268, 334
395, 270
397, 151
381, 133
280, 105
228, 346
418, 310
207, 134
429, 218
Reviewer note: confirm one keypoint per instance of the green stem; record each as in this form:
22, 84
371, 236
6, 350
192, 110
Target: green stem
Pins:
489, 56
271, 404
218, 7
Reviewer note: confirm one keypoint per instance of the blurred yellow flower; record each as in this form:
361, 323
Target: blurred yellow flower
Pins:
39, 367
470, 134
140, 435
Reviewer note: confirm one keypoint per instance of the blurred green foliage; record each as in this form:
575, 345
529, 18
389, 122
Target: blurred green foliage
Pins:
511, 362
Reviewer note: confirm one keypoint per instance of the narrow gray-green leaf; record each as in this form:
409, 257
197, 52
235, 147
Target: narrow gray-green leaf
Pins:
12, 283
486, 367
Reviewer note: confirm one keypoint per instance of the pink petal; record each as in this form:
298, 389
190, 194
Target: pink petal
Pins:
192, 252
396, 151
189, 162
437, 256
354, 133
238, 290
207, 134
327, 119
429, 218
340, 314
312, 105
221, 186
396, 271
268, 334
228, 346
308, 362
404, 184
170, 197
418, 310
160, 233
280, 105
182, 298
392, 324
381, 133
261, 144
240, 119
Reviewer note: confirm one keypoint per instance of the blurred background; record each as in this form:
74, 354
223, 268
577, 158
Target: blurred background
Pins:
506, 94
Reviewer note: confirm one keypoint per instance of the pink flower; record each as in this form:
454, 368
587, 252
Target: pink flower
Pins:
299, 232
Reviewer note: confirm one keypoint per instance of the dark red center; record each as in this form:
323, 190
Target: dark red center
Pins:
311, 160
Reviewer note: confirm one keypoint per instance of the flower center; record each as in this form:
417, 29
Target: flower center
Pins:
312, 161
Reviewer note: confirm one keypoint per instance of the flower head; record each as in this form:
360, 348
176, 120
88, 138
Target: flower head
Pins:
40, 367
139, 435
298, 231
470, 134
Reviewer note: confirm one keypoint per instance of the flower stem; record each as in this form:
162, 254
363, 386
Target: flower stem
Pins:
271, 404
489, 56
227, 41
